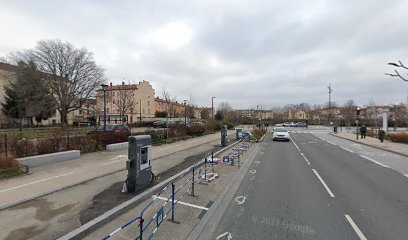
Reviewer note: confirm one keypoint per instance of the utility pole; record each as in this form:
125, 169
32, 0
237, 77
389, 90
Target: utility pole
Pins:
329, 115
212, 107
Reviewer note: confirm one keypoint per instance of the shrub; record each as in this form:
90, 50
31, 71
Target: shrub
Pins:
258, 133
197, 129
24, 148
157, 136
7, 162
399, 137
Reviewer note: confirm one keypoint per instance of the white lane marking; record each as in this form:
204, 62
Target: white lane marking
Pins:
253, 171
240, 199
257, 162
182, 203
374, 161
331, 142
307, 161
324, 184
228, 234
349, 150
357, 145
296, 145
31, 183
354, 226
406, 175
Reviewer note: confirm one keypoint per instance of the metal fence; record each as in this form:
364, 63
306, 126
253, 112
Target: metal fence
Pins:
173, 193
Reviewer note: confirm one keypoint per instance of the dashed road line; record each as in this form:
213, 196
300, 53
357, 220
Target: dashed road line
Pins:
296, 145
323, 183
304, 157
349, 150
31, 183
331, 142
355, 228
374, 161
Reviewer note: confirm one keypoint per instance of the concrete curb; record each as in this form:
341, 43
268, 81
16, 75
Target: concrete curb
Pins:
117, 146
44, 159
388, 150
113, 213
229, 189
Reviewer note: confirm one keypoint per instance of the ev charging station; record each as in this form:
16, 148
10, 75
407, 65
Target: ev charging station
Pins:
139, 163
224, 135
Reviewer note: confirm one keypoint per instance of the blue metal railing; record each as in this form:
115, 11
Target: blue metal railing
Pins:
161, 214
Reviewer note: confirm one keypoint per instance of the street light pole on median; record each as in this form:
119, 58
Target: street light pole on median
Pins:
212, 107
185, 113
104, 89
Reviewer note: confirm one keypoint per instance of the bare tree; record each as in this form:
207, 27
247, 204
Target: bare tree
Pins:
349, 111
226, 111
124, 100
71, 73
169, 102
399, 65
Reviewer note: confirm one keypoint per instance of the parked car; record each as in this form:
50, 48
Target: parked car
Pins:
281, 133
160, 124
115, 128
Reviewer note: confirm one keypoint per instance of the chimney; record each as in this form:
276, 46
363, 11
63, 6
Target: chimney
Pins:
123, 83
111, 84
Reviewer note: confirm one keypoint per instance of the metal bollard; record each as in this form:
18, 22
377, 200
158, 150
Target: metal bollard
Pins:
172, 201
205, 169
141, 228
192, 187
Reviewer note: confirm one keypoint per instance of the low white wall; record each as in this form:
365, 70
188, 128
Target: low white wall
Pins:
44, 159
117, 146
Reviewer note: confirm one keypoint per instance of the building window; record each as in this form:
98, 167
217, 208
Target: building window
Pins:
148, 111
148, 103
143, 110
107, 110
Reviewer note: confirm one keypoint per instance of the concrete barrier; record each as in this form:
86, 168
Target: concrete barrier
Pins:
44, 159
117, 146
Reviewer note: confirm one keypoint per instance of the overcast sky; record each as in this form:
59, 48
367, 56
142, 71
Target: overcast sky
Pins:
248, 53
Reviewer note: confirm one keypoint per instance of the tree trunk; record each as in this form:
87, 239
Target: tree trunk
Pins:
64, 122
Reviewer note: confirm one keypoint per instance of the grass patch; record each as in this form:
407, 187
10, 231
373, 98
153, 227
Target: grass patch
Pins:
4, 174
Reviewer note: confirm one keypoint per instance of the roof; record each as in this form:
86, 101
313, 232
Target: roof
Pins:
120, 87
8, 67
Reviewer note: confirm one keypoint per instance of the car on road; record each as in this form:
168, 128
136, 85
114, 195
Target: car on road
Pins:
280, 133
288, 124
300, 124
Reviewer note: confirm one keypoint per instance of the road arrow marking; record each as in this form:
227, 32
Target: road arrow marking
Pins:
228, 234
240, 200
253, 171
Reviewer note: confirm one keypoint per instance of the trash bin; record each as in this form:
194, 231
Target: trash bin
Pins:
335, 129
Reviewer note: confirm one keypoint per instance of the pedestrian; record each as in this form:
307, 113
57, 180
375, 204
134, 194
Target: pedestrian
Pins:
363, 131
381, 135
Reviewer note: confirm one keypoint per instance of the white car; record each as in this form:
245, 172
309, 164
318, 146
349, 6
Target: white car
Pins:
281, 133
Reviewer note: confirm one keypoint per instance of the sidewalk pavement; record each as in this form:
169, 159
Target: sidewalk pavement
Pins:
399, 148
54, 177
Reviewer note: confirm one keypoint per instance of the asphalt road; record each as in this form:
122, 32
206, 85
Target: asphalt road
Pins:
310, 188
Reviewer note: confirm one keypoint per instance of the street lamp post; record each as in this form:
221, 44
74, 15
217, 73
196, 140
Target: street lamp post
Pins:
329, 115
185, 113
104, 88
212, 107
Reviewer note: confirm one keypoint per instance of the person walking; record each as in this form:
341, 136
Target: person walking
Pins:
381, 135
363, 131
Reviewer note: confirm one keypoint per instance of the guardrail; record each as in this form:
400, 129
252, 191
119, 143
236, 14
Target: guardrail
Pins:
198, 171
